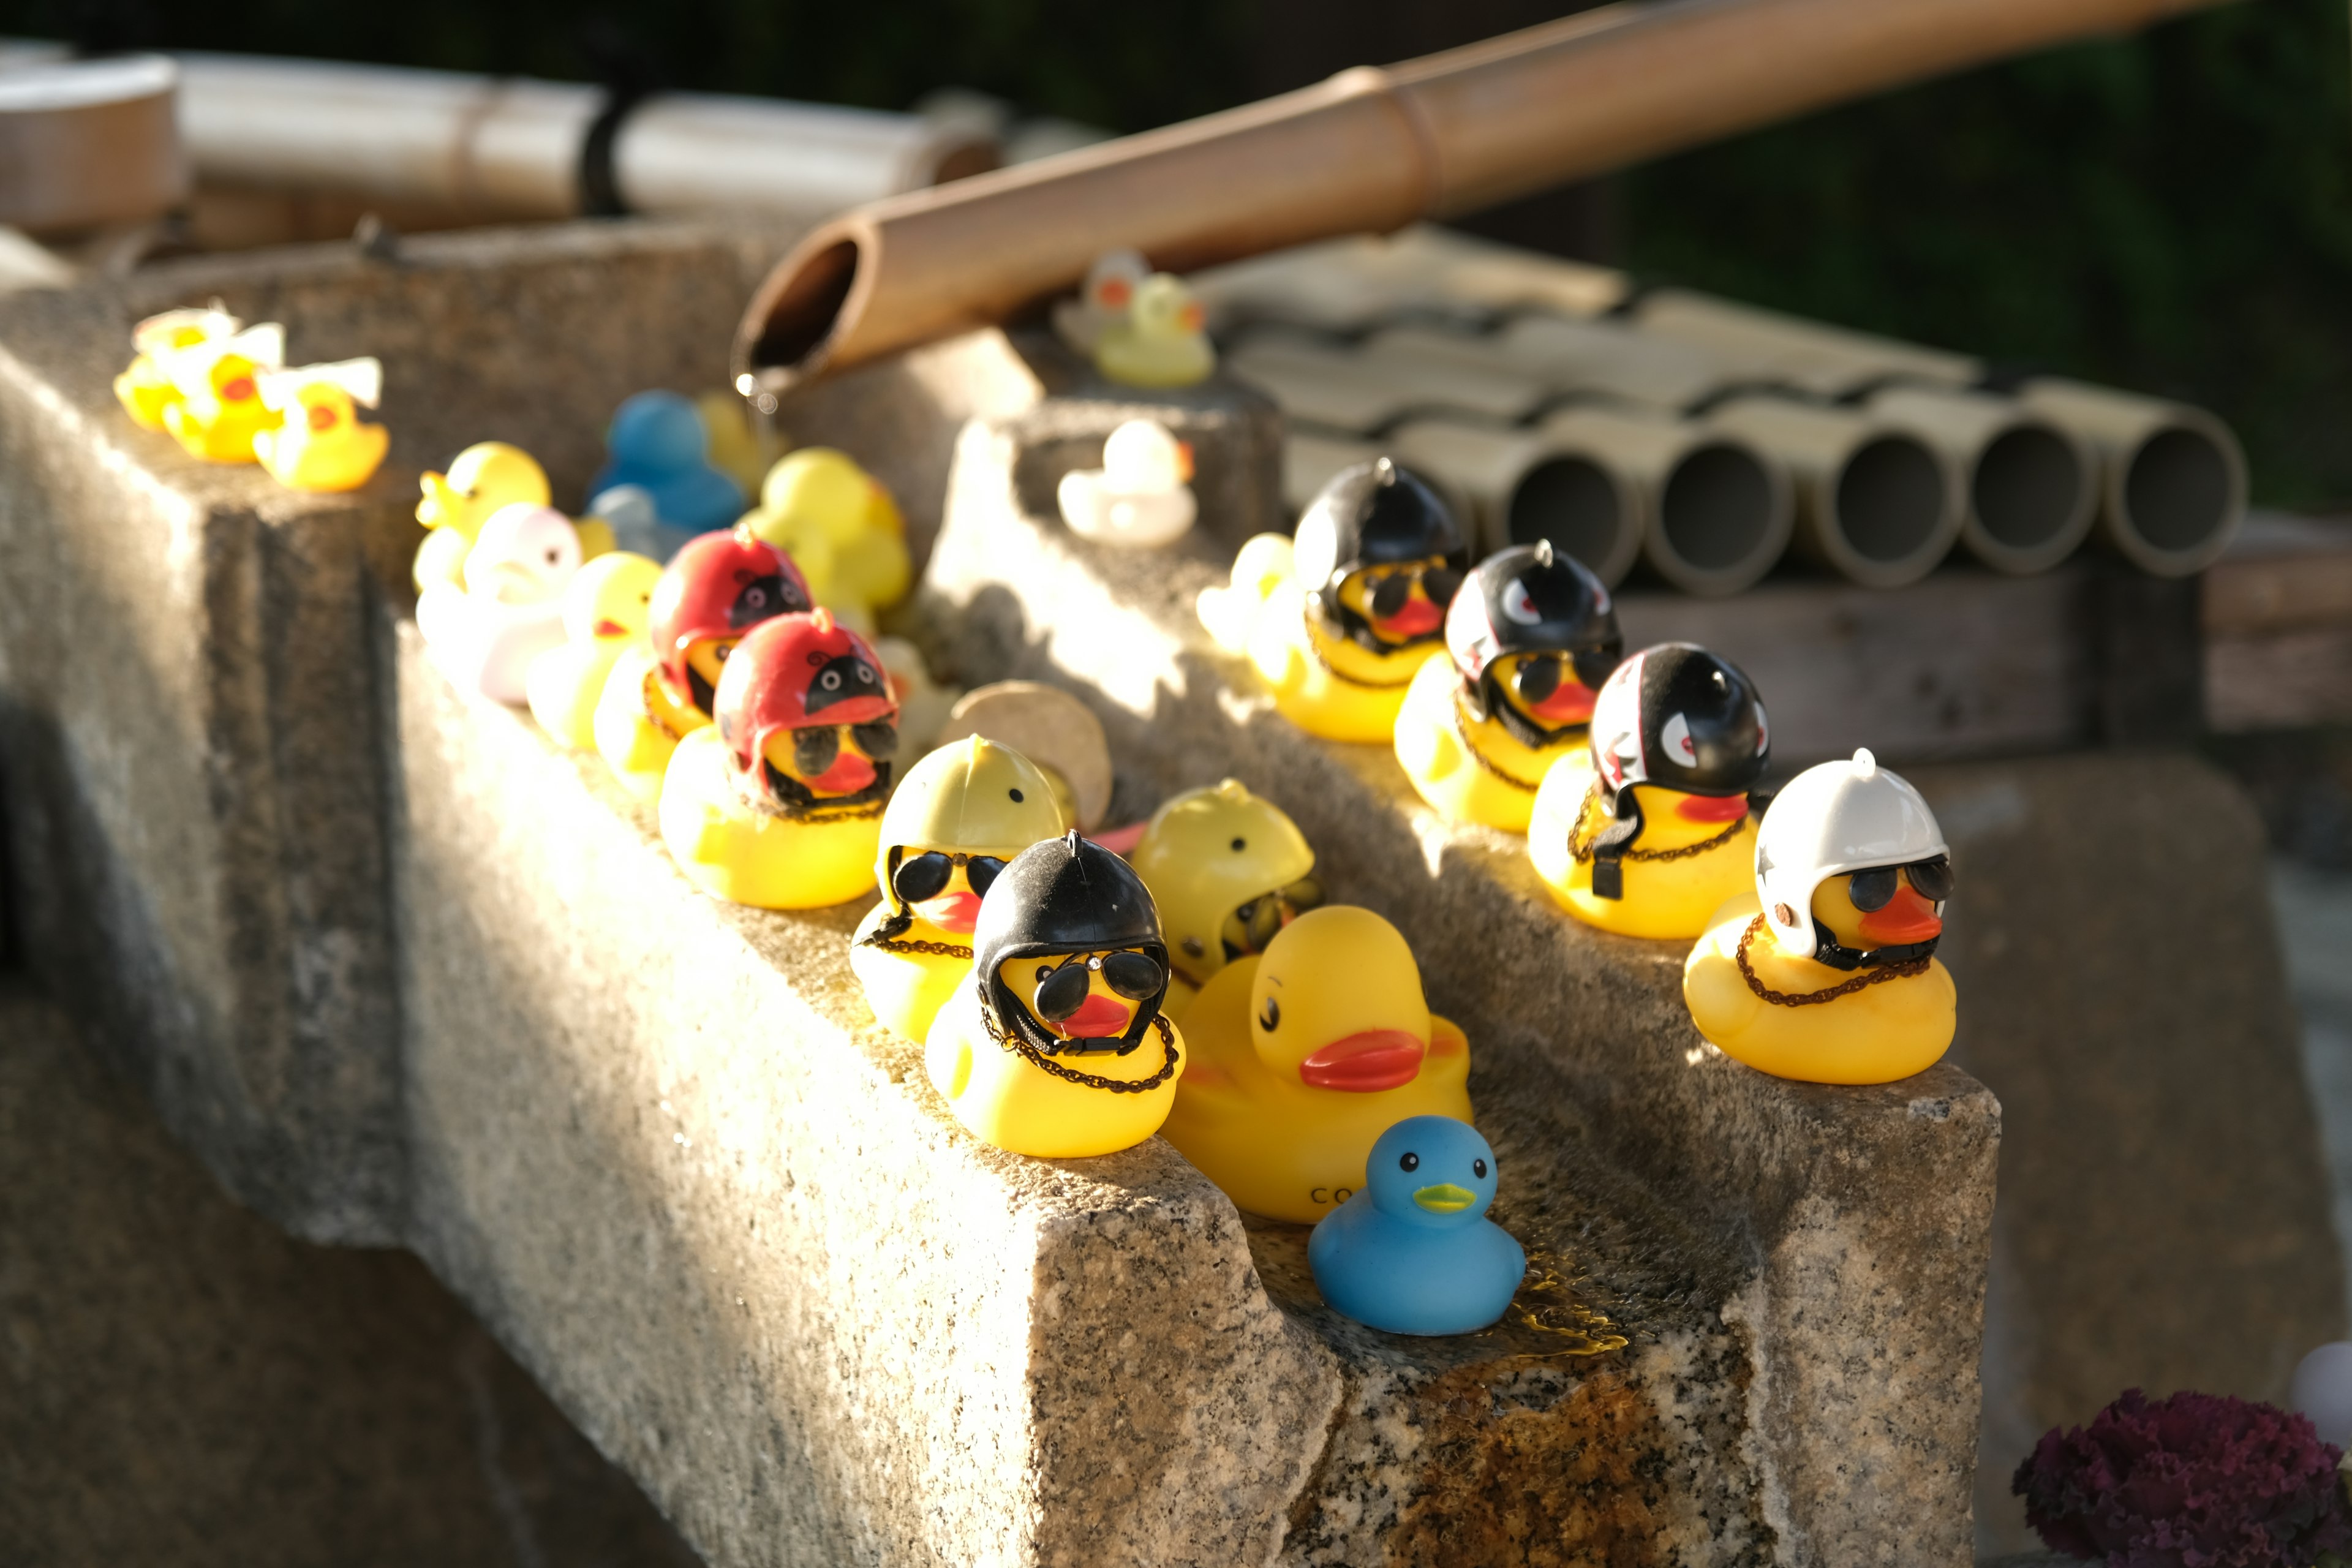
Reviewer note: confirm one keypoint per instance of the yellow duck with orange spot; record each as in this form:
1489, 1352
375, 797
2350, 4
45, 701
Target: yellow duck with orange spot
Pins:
1647, 831
319, 443
606, 608
1303, 1055
219, 408
1827, 972
1056, 1047
1340, 619
143, 389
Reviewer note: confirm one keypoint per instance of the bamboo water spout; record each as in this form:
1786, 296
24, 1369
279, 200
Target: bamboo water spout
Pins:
1367, 150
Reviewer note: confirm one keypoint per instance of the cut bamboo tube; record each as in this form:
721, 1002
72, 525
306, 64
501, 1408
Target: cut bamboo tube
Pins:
1369, 281
2172, 488
2029, 486
1717, 510
1525, 485
1765, 345
1367, 150
1876, 502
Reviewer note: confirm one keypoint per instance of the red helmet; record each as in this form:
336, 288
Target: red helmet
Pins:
811, 675
719, 584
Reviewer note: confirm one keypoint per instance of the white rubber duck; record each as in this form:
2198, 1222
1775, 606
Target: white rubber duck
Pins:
1139, 497
511, 610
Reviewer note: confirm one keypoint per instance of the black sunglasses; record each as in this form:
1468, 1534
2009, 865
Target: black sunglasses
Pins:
923, 876
1874, 889
816, 747
1261, 918
1537, 676
1390, 589
1138, 976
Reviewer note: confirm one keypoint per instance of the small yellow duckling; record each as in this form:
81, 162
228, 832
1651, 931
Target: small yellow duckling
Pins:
219, 408
144, 389
1160, 342
1647, 830
1342, 617
1532, 636
958, 819
715, 590
1302, 1056
485, 477
1056, 1048
778, 804
1827, 973
606, 609
319, 443
1229, 870
840, 524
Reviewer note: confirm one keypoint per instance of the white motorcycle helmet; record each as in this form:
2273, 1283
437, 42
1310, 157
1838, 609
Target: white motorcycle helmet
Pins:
1832, 819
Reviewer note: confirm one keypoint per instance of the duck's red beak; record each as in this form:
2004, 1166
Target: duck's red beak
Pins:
1907, 918
1365, 1062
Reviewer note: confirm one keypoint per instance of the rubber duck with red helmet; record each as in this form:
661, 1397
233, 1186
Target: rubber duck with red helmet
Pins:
1056, 1047
1530, 639
1342, 616
1648, 829
714, 592
778, 803
1827, 972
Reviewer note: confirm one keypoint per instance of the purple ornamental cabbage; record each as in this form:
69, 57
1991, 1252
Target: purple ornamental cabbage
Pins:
2192, 1481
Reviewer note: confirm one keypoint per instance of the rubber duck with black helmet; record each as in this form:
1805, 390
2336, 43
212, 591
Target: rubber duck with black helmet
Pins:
1340, 619
1530, 639
958, 818
778, 804
1056, 1047
713, 592
1228, 869
1647, 830
1827, 972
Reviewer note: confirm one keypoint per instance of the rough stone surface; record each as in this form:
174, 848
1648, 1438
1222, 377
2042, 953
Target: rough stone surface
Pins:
180, 1383
187, 717
2164, 1217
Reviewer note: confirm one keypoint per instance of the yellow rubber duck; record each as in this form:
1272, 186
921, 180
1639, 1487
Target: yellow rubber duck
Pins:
319, 443
779, 803
1827, 972
1302, 1056
143, 389
219, 408
1647, 830
840, 524
713, 591
1229, 870
485, 477
1056, 1047
1532, 636
1340, 619
606, 608
959, 816
1160, 342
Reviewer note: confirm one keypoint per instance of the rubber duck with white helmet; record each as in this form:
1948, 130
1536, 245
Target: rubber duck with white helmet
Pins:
1648, 830
1228, 869
958, 819
1827, 973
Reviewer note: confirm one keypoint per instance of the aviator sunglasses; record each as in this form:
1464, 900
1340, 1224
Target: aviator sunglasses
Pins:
1538, 675
1138, 976
925, 876
1873, 889
1389, 589
817, 747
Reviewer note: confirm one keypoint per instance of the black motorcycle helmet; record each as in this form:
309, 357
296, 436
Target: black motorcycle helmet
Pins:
1529, 600
1374, 514
1064, 895
1677, 716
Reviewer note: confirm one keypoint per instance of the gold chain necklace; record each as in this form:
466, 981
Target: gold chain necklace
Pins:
1814, 998
1045, 1064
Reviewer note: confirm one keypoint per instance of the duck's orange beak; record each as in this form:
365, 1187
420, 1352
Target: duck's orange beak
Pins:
1907, 918
1365, 1062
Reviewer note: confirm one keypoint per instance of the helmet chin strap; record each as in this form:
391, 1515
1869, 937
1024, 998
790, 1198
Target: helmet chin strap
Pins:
1610, 845
1828, 949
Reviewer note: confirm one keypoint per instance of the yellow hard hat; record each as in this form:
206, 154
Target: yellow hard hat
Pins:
1205, 853
973, 795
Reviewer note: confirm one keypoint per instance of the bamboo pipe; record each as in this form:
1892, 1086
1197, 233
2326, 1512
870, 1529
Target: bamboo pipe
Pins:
1876, 503
1367, 150
2029, 486
2173, 483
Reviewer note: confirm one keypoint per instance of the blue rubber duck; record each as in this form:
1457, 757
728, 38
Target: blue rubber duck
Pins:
658, 443
1414, 1252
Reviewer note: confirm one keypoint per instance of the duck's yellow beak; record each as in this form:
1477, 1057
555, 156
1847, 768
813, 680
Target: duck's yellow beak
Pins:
1446, 1198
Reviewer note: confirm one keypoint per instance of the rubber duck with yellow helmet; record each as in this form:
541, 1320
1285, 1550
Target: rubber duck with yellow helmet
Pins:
1228, 869
958, 819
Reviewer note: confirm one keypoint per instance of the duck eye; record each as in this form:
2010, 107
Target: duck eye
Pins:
1478, 1169
1410, 1163
1269, 1018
